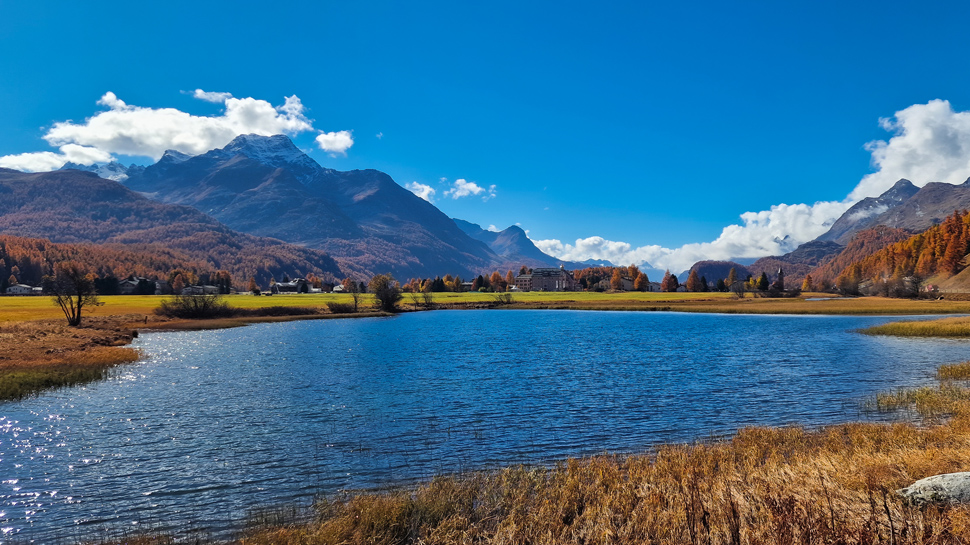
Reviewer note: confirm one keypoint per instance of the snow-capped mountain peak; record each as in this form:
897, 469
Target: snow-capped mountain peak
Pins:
111, 171
276, 151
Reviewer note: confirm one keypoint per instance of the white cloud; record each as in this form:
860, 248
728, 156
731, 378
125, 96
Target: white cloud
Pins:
43, 161
463, 188
493, 229
208, 96
335, 142
930, 143
134, 130
379, 135
424, 191
770, 232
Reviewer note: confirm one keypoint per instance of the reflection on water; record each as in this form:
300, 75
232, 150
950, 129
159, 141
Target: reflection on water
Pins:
214, 423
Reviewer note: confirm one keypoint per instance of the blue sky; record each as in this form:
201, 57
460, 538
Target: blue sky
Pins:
651, 125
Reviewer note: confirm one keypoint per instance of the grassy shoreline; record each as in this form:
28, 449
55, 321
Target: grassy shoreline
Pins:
763, 485
49, 355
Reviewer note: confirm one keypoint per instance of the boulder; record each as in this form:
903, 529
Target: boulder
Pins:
949, 488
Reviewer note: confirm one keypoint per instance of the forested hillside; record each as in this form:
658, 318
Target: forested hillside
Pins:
939, 251
27, 260
76, 207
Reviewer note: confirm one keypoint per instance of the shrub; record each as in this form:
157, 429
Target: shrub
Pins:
275, 311
386, 292
195, 307
341, 308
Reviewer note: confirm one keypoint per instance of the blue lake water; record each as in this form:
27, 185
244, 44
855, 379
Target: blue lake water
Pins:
214, 423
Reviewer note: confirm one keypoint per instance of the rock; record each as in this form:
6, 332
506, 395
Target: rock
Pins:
949, 488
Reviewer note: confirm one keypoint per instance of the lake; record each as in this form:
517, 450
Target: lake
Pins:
214, 423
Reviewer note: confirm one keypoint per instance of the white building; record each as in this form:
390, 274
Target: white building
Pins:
22, 289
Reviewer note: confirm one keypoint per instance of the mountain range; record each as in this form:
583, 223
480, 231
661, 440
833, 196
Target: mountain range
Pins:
902, 210
266, 186
68, 206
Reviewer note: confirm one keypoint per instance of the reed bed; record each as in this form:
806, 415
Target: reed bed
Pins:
954, 371
763, 486
70, 370
944, 327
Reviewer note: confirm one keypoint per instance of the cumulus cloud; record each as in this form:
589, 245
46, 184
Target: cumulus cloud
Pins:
463, 188
769, 232
209, 96
134, 130
424, 191
335, 142
930, 143
43, 161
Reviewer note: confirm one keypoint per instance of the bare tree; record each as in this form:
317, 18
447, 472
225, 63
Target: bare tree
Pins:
72, 290
415, 298
428, 297
352, 286
738, 288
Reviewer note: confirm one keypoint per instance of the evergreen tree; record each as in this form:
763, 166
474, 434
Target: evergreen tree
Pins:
763, 282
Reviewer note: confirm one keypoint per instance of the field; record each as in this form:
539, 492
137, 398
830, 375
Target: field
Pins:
18, 309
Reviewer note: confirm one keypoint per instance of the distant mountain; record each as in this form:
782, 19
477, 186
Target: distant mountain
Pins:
797, 263
714, 270
109, 171
266, 186
928, 207
514, 246
597, 263
869, 212
903, 206
79, 207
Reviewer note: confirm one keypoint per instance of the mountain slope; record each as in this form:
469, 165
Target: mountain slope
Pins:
869, 212
73, 206
864, 244
370, 224
799, 262
928, 207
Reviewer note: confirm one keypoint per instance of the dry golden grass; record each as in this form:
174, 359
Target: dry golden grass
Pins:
48, 354
954, 371
764, 486
944, 327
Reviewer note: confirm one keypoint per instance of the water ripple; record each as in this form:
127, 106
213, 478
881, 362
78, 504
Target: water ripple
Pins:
215, 423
